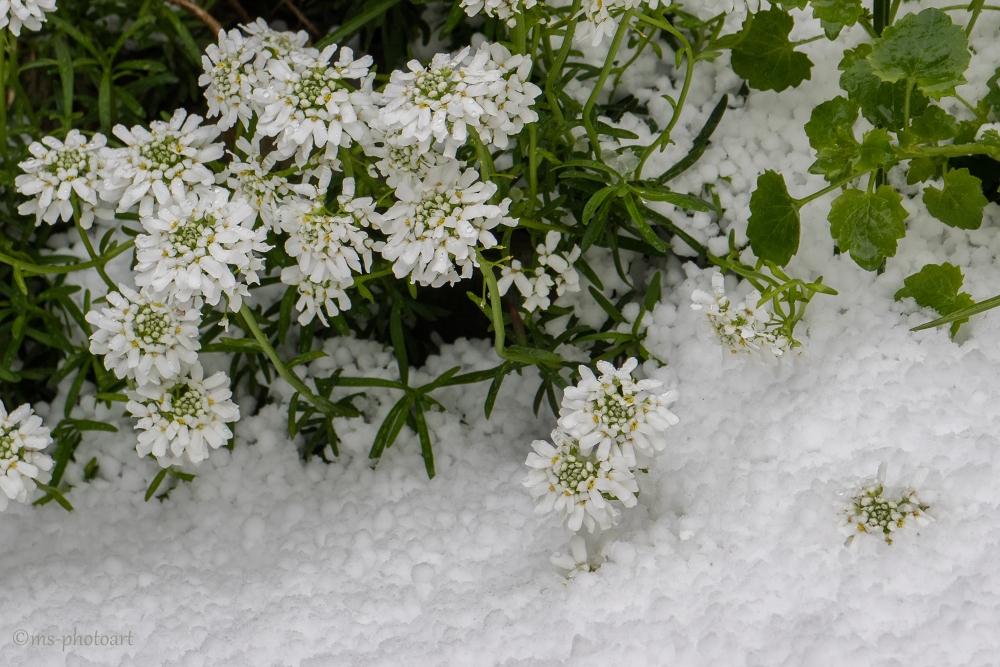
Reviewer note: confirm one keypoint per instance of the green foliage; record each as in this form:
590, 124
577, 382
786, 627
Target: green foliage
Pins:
868, 225
960, 203
882, 103
765, 57
934, 124
938, 286
837, 14
774, 224
926, 50
831, 133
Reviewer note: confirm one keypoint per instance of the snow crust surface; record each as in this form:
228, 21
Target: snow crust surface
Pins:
732, 556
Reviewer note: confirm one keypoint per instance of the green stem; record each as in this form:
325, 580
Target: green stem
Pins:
686, 49
830, 188
4, 151
487, 170
556, 69
90, 248
906, 104
954, 150
881, 15
807, 41
866, 23
971, 108
532, 166
518, 35
892, 11
40, 269
287, 375
966, 8
623, 26
976, 7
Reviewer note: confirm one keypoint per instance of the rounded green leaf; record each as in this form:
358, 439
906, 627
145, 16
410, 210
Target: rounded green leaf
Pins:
774, 225
867, 225
961, 202
926, 49
766, 58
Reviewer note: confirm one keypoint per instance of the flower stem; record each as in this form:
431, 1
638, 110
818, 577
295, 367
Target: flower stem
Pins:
555, 70
90, 249
286, 374
623, 26
28, 267
4, 150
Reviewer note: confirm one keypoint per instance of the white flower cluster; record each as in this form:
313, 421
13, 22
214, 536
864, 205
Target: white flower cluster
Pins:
536, 288
22, 439
58, 170
505, 10
604, 423
487, 93
743, 326
601, 17
197, 247
183, 416
160, 165
29, 14
438, 222
875, 511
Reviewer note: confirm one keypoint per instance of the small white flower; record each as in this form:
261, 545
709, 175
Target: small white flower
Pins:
505, 10
574, 562
198, 246
402, 158
57, 171
22, 437
874, 510
616, 414
314, 298
28, 14
232, 72
185, 416
438, 222
308, 104
327, 247
743, 326
280, 44
250, 179
145, 337
487, 92
161, 164
574, 484
601, 18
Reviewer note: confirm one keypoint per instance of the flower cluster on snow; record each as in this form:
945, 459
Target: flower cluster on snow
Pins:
606, 423
555, 271
743, 326
186, 416
22, 437
875, 511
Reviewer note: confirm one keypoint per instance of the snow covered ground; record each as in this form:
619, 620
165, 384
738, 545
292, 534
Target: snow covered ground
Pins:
732, 557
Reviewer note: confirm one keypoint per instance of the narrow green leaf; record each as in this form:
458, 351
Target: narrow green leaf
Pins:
645, 231
426, 450
56, 495
155, 484
608, 307
398, 342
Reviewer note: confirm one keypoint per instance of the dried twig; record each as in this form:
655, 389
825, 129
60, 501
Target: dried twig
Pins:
309, 25
198, 13
240, 11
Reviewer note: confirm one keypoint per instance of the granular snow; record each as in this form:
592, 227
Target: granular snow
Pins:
732, 557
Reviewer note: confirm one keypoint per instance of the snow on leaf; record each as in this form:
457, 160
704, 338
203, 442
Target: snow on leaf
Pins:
868, 224
831, 132
882, 103
925, 48
961, 202
937, 286
774, 225
766, 58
